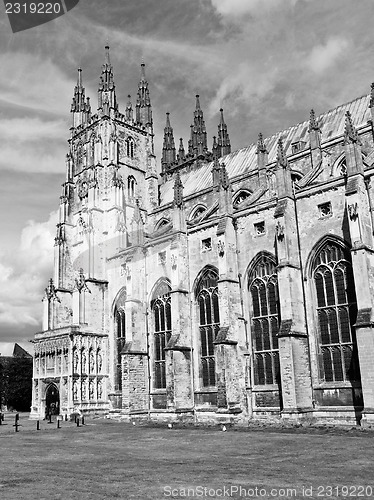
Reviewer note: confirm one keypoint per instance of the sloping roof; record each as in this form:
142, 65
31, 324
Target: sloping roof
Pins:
10, 349
244, 160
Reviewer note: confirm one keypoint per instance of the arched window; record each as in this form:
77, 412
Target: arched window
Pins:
197, 212
161, 309
161, 223
336, 311
119, 335
240, 197
130, 147
131, 186
263, 287
207, 301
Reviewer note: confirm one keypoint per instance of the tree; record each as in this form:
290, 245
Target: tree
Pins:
16, 382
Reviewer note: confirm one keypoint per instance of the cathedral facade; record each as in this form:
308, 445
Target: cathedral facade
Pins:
213, 286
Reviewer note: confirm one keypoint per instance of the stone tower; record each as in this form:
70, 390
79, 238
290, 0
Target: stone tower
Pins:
110, 182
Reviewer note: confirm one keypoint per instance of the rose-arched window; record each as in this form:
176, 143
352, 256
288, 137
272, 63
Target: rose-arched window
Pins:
336, 311
263, 287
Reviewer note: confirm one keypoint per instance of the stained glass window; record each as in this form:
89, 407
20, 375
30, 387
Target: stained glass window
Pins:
263, 287
161, 307
336, 312
207, 300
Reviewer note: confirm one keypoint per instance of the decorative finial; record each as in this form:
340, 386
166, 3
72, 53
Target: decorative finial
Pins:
178, 191
371, 105
224, 178
261, 148
197, 101
313, 124
350, 133
281, 155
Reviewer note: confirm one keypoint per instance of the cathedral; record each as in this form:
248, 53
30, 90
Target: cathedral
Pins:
211, 286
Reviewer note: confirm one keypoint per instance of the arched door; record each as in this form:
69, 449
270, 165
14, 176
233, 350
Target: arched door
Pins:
52, 400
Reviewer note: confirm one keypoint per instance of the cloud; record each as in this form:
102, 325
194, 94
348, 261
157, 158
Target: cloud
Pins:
324, 56
23, 276
34, 82
236, 8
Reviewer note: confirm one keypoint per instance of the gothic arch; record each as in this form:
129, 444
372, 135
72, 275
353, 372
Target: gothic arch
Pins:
240, 196
261, 257
119, 326
131, 186
339, 166
161, 287
130, 147
203, 274
327, 238
120, 298
334, 310
207, 305
264, 310
197, 211
162, 222
160, 323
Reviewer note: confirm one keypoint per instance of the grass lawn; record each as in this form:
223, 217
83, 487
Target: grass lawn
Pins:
108, 460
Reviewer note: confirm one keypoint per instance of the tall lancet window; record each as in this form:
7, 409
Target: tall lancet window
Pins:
336, 311
131, 186
208, 308
119, 336
263, 287
130, 147
161, 309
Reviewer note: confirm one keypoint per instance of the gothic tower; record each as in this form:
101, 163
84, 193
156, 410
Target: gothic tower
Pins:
110, 182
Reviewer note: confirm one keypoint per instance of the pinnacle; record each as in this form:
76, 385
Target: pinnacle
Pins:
281, 155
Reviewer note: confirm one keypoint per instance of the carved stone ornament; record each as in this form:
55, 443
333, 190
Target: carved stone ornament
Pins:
221, 248
174, 260
80, 283
279, 229
50, 292
83, 189
352, 210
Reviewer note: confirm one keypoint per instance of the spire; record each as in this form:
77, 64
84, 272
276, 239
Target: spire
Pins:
78, 105
143, 102
107, 90
181, 152
281, 155
198, 145
129, 111
350, 132
178, 191
313, 124
168, 149
224, 145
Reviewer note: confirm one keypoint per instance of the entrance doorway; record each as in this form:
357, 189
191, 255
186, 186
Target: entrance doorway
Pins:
52, 400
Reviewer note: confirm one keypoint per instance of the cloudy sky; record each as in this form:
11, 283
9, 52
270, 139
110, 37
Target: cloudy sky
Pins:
266, 62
